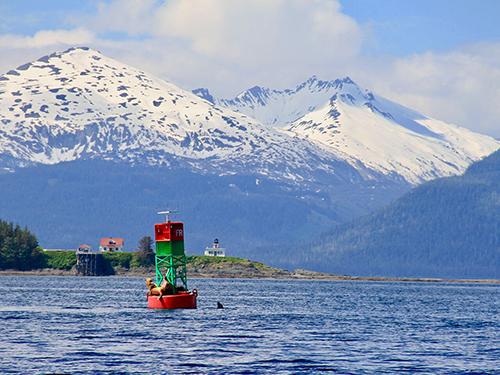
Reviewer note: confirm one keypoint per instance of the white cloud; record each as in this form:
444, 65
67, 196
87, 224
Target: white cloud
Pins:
224, 44
130, 16
46, 38
16, 50
244, 32
461, 87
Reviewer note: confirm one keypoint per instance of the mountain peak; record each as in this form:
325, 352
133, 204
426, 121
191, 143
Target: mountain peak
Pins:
314, 84
204, 94
66, 52
365, 129
46, 58
81, 104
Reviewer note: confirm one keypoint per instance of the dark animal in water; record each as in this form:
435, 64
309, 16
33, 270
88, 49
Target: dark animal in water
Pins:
219, 305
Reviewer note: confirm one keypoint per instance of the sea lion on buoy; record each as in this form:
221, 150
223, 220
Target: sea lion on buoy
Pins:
151, 284
164, 289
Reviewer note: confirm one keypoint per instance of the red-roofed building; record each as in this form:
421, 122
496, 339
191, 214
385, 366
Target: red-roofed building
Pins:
84, 249
111, 244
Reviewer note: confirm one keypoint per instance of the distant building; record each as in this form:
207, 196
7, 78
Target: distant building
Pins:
215, 251
84, 249
111, 244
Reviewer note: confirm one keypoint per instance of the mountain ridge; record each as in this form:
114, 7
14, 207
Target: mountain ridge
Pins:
363, 128
445, 228
78, 103
93, 147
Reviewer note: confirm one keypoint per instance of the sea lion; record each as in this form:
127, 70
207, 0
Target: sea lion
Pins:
151, 284
164, 289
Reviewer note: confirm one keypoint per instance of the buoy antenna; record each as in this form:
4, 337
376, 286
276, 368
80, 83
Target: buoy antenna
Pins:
167, 214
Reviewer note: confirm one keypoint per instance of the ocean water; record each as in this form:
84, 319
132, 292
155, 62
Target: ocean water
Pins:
101, 325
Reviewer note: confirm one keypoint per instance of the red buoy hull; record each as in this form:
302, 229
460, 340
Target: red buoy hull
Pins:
182, 300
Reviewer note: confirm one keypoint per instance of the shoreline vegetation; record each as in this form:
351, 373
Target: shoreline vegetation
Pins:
231, 267
20, 255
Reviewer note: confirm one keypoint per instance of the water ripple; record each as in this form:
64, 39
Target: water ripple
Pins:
267, 326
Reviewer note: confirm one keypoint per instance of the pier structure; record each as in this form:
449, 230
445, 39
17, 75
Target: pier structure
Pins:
88, 263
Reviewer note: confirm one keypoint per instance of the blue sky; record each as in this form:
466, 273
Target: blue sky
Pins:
405, 27
401, 27
441, 58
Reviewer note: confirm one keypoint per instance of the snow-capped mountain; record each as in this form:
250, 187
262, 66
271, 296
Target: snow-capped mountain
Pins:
364, 129
67, 117
274, 167
81, 104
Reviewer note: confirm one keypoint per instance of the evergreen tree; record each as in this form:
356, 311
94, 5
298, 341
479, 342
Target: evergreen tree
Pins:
144, 255
19, 248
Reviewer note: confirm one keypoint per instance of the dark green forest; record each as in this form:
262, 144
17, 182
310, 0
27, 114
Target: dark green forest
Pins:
446, 228
19, 248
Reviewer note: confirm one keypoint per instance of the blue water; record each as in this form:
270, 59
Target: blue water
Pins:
93, 325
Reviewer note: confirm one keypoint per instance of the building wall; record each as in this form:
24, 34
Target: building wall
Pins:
218, 252
107, 248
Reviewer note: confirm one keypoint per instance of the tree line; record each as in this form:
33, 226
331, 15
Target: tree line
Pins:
19, 250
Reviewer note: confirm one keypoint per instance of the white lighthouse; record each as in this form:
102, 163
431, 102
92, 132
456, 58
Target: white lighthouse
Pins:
215, 250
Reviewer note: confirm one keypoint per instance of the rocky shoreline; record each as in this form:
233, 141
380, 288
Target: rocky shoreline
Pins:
239, 271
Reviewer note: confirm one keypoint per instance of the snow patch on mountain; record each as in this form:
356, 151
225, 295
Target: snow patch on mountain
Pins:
79, 103
364, 129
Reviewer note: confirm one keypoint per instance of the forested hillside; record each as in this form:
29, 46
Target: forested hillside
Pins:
446, 228
79, 202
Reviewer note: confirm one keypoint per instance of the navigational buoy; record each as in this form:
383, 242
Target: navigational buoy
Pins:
171, 290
